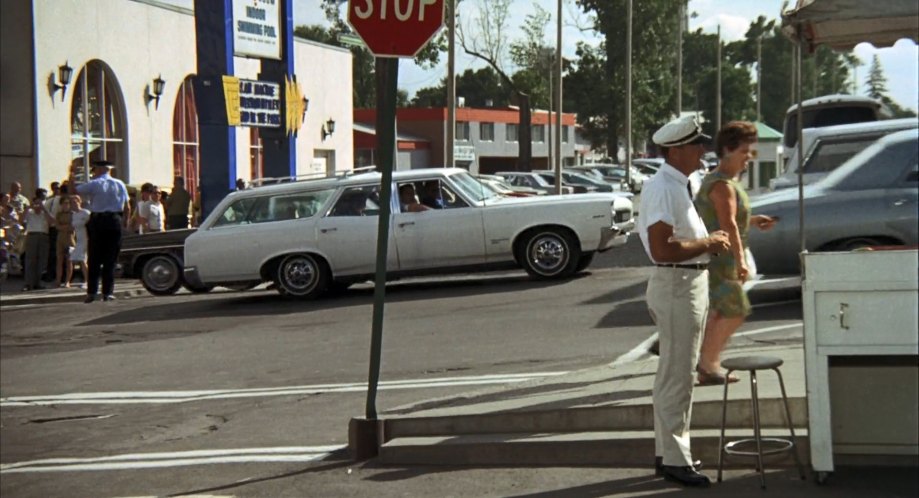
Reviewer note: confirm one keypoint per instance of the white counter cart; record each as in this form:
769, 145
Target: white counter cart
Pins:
861, 341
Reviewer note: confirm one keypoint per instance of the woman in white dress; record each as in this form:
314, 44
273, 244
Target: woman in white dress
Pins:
79, 220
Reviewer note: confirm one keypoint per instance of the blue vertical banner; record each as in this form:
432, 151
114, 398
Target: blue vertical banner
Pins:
217, 140
279, 145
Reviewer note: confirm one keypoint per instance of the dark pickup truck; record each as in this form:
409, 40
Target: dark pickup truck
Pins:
157, 259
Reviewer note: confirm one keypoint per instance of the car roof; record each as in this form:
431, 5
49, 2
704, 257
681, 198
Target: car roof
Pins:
865, 127
835, 99
901, 136
347, 179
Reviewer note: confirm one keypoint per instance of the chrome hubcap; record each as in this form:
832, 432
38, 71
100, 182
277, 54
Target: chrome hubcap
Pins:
299, 275
161, 275
548, 254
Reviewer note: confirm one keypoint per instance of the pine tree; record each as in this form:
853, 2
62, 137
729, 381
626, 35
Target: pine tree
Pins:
877, 82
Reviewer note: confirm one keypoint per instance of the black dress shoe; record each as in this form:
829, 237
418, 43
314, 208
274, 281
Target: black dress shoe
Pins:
89, 298
686, 476
108, 297
659, 465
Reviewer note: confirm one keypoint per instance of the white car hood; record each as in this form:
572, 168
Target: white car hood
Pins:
545, 199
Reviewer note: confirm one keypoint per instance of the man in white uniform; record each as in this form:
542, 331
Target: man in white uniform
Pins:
678, 244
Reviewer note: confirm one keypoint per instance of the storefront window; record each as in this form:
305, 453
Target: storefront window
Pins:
97, 122
185, 137
256, 155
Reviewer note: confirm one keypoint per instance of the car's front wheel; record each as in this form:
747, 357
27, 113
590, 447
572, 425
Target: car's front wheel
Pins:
550, 253
161, 276
584, 262
302, 276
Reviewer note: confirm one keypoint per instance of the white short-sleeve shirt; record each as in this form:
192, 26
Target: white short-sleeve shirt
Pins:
665, 198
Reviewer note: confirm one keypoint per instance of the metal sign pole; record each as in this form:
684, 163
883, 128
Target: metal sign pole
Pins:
387, 73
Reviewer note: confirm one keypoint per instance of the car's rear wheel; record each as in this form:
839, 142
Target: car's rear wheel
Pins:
550, 253
852, 244
161, 276
302, 276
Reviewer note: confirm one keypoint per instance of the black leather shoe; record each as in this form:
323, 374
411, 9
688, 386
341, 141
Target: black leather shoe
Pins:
687, 476
90, 298
659, 465
108, 297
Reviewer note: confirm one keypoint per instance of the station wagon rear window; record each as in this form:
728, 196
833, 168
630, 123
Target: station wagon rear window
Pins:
276, 207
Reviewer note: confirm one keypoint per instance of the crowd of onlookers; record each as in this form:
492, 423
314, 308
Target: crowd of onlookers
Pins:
49, 230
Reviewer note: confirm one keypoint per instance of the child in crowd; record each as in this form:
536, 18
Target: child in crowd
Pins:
78, 221
64, 242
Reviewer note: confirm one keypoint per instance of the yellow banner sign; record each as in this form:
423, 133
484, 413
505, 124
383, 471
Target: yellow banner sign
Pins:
295, 105
231, 95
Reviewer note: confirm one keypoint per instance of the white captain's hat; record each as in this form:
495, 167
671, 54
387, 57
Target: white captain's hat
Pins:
681, 131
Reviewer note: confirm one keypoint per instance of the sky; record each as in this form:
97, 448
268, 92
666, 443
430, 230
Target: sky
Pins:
900, 62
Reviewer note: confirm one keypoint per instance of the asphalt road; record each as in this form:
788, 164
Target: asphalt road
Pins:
249, 387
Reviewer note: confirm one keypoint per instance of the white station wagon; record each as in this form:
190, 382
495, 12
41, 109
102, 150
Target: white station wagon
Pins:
309, 236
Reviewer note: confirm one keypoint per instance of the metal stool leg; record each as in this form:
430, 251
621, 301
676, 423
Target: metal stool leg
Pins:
791, 426
724, 417
756, 429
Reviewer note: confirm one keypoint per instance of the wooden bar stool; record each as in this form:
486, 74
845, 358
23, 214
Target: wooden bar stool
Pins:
752, 364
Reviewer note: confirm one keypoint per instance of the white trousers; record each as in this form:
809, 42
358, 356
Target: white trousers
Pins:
678, 302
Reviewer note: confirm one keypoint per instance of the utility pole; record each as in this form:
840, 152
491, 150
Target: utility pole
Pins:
628, 95
679, 60
451, 84
550, 157
759, 78
558, 92
718, 87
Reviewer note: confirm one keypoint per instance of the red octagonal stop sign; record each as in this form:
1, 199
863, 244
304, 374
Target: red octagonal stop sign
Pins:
396, 28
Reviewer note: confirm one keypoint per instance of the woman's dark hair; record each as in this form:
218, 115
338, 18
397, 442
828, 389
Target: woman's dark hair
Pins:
733, 134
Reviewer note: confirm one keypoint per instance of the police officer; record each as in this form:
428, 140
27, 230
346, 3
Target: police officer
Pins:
110, 212
677, 242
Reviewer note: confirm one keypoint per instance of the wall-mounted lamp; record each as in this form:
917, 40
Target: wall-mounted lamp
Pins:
328, 128
63, 75
158, 85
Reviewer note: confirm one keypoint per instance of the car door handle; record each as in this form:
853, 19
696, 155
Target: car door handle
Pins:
899, 202
407, 223
327, 230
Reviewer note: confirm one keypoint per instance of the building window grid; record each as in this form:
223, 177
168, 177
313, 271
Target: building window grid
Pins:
462, 131
185, 138
565, 132
487, 132
539, 133
86, 140
256, 155
511, 132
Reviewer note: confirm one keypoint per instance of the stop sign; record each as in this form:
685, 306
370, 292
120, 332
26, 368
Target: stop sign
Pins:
396, 28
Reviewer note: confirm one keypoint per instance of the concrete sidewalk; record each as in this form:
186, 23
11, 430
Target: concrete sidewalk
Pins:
597, 416
11, 293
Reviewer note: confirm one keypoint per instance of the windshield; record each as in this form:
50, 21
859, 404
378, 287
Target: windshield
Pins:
472, 188
580, 179
875, 167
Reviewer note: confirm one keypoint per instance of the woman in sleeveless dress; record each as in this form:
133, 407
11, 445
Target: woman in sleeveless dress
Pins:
723, 204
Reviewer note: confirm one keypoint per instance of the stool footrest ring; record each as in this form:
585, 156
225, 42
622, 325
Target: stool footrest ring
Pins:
785, 445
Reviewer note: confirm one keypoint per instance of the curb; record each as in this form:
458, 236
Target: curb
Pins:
69, 297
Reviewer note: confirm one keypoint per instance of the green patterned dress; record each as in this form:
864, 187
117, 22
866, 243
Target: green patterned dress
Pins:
725, 291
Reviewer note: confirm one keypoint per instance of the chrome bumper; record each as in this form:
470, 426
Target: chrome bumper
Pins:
190, 275
615, 236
